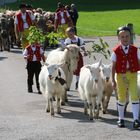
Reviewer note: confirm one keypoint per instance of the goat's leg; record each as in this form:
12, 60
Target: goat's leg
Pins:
107, 99
85, 107
99, 99
90, 111
90, 106
103, 103
48, 106
97, 111
58, 105
94, 105
63, 97
51, 106
1, 49
66, 97
2, 44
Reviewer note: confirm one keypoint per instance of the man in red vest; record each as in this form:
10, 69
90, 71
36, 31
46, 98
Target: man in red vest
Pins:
33, 54
62, 20
125, 64
23, 20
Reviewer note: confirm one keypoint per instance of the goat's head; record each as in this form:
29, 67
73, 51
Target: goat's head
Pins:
74, 51
106, 71
73, 55
53, 70
95, 70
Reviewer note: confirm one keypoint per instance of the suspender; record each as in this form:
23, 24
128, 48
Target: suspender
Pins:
77, 43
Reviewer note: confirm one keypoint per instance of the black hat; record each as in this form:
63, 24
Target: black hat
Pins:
123, 28
60, 5
22, 5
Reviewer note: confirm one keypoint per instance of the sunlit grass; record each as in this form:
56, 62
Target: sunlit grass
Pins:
107, 22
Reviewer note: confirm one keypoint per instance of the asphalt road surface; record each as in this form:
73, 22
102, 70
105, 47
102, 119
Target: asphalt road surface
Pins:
23, 116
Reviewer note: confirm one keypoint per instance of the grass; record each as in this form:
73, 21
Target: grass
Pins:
106, 23
97, 17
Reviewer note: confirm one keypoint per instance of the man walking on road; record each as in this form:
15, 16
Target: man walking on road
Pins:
23, 20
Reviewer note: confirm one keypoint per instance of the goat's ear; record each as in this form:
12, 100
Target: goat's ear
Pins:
87, 66
60, 65
67, 47
46, 64
102, 65
110, 65
100, 62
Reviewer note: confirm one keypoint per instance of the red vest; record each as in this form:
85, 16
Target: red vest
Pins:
122, 59
58, 22
31, 53
20, 21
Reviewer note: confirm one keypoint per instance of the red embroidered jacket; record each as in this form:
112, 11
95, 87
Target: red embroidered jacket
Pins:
31, 53
20, 21
58, 22
122, 59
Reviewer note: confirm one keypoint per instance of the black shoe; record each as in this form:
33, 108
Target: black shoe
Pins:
136, 124
39, 92
30, 90
121, 123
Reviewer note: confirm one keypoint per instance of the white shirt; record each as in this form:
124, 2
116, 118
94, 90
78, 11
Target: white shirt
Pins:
62, 17
114, 57
75, 41
25, 24
25, 53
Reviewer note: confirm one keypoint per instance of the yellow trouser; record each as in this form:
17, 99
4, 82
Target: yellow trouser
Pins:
62, 29
24, 40
127, 81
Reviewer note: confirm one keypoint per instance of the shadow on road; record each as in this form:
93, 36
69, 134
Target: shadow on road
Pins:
76, 115
2, 58
112, 121
17, 51
115, 113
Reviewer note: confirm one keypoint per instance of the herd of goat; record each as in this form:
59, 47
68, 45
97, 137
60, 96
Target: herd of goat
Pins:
94, 87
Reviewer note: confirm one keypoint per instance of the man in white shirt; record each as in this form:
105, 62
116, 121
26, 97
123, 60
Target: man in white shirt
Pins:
33, 54
23, 20
62, 20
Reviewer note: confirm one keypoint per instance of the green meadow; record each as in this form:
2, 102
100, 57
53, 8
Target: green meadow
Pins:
96, 17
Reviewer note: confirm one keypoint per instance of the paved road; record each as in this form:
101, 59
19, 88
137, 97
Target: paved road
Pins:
23, 117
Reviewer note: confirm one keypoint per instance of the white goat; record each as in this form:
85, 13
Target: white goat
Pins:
90, 88
52, 84
69, 57
107, 82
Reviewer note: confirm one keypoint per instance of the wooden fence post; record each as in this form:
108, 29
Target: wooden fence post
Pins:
130, 26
